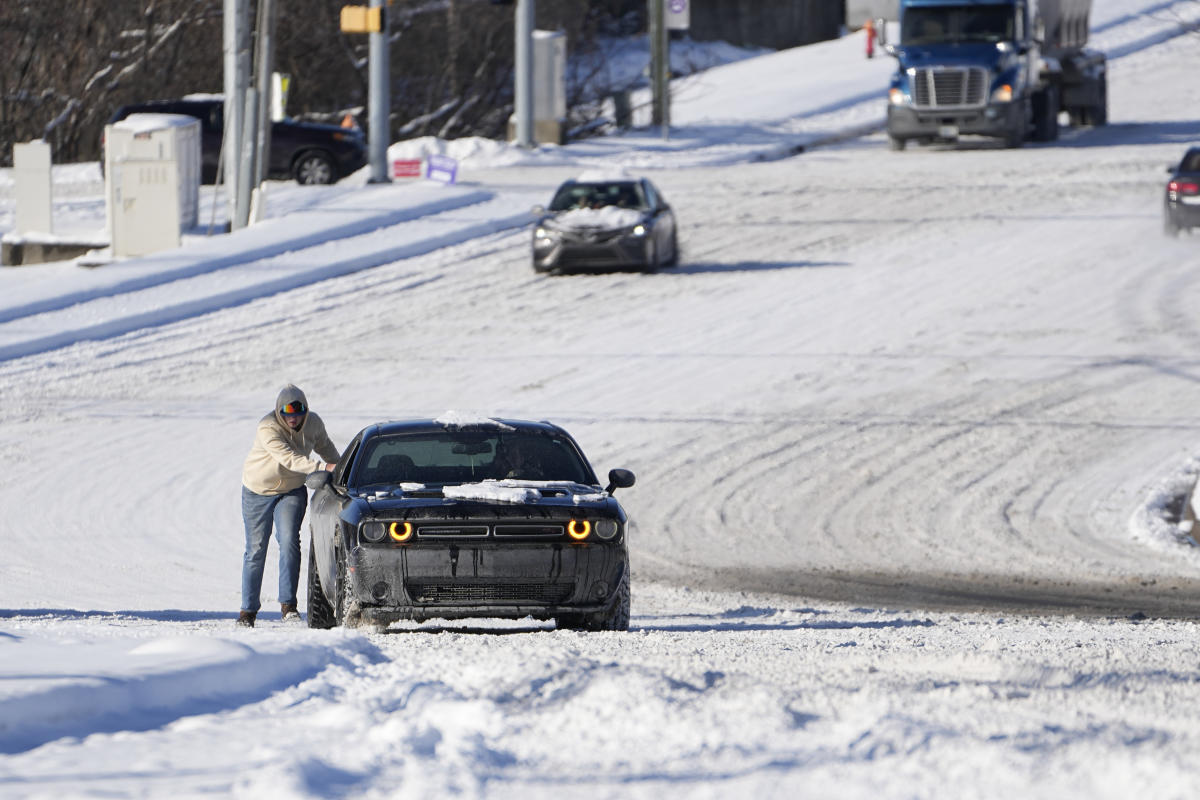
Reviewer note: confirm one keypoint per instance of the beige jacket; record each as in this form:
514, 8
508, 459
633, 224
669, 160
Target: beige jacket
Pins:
280, 458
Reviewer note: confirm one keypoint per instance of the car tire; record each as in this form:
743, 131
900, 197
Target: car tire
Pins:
320, 612
1170, 228
346, 609
314, 168
615, 618
674, 259
897, 145
652, 262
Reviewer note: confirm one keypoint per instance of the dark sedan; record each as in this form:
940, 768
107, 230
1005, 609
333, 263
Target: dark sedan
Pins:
309, 152
454, 519
1181, 210
599, 223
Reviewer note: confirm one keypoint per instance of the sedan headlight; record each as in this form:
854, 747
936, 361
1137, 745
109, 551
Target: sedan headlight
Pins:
545, 233
579, 529
374, 532
638, 230
606, 528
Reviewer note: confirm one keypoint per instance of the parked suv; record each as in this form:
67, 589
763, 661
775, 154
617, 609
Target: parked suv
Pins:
309, 152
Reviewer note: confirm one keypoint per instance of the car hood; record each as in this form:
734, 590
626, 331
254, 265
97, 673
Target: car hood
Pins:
606, 218
506, 493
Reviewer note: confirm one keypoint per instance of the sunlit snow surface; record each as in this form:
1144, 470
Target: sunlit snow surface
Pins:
910, 432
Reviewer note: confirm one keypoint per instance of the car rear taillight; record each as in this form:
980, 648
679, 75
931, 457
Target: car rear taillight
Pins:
1183, 187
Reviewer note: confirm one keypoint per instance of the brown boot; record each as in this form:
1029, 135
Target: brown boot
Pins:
246, 619
289, 613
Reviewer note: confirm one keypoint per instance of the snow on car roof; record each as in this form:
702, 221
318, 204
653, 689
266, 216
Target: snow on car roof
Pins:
146, 122
459, 419
607, 175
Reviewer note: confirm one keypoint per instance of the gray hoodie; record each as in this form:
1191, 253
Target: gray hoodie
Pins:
280, 458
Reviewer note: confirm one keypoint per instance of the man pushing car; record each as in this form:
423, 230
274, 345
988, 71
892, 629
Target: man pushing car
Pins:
273, 491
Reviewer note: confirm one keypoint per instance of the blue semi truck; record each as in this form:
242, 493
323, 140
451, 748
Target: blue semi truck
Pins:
998, 68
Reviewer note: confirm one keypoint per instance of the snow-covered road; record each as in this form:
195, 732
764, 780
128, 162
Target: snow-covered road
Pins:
906, 429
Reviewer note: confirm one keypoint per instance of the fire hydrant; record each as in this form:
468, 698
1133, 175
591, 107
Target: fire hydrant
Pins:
869, 29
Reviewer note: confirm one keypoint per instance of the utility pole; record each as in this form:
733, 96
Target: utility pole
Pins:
237, 77
265, 50
660, 86
523, 57
380, 97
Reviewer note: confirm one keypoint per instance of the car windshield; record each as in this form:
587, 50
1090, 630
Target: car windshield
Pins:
923, 26
623, 194
468, 456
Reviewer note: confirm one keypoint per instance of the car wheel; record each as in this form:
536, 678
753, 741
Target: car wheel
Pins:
897, 145
614, 619
1169, 226
346, 611
320, 612
674, 259
651, 255
314, 169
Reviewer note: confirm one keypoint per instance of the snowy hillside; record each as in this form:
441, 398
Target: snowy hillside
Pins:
909, 431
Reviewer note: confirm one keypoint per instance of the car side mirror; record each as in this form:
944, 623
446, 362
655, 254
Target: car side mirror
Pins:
318, 480
619, 479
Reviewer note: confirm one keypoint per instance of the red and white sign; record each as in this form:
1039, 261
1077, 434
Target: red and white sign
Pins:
406, 168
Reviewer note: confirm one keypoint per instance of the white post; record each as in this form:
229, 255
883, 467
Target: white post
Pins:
31, 171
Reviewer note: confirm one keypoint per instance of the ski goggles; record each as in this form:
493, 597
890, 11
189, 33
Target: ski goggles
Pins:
293, 409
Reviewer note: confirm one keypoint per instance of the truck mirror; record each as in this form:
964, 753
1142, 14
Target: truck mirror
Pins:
881, 34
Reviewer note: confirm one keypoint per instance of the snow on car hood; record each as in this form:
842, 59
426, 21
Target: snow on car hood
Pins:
514, 491
606, 217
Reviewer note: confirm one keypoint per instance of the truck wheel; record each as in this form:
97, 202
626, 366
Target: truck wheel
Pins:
896, 144
1099, 112
1045, 115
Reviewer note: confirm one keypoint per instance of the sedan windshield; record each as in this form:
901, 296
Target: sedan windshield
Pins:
924, 26
623, 194
468, 456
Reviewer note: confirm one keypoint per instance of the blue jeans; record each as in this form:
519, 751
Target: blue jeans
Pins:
259, 511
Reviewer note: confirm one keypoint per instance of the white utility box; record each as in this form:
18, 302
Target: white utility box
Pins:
152, 181
31, 169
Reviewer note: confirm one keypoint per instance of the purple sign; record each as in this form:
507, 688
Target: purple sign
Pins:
441, 168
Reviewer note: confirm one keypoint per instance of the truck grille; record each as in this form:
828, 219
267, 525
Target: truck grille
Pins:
539, 593
949, 87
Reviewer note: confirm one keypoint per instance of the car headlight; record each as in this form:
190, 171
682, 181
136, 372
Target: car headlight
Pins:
606, 528
638, 230
1002, 94
400, 531
579, 529
374, 532
544, 233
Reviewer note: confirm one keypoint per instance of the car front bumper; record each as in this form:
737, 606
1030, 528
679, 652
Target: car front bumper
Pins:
570, 251
476, 580
997, 120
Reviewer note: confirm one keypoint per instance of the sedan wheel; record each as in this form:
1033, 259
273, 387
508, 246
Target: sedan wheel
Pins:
314, 169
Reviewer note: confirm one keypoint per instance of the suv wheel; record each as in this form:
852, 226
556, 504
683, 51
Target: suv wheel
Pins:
313, 168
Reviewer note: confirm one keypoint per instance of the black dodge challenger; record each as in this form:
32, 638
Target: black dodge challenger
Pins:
460, 518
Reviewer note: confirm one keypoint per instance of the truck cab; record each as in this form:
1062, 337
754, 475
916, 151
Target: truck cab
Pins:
995, 68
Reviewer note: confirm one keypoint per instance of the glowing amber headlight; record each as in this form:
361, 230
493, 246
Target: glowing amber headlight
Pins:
1002, 94
578, 529
400, 531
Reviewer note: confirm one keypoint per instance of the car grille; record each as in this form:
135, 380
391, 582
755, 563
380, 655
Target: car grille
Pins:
433, 531
529, 530
591, 236
508, 593
949, 87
